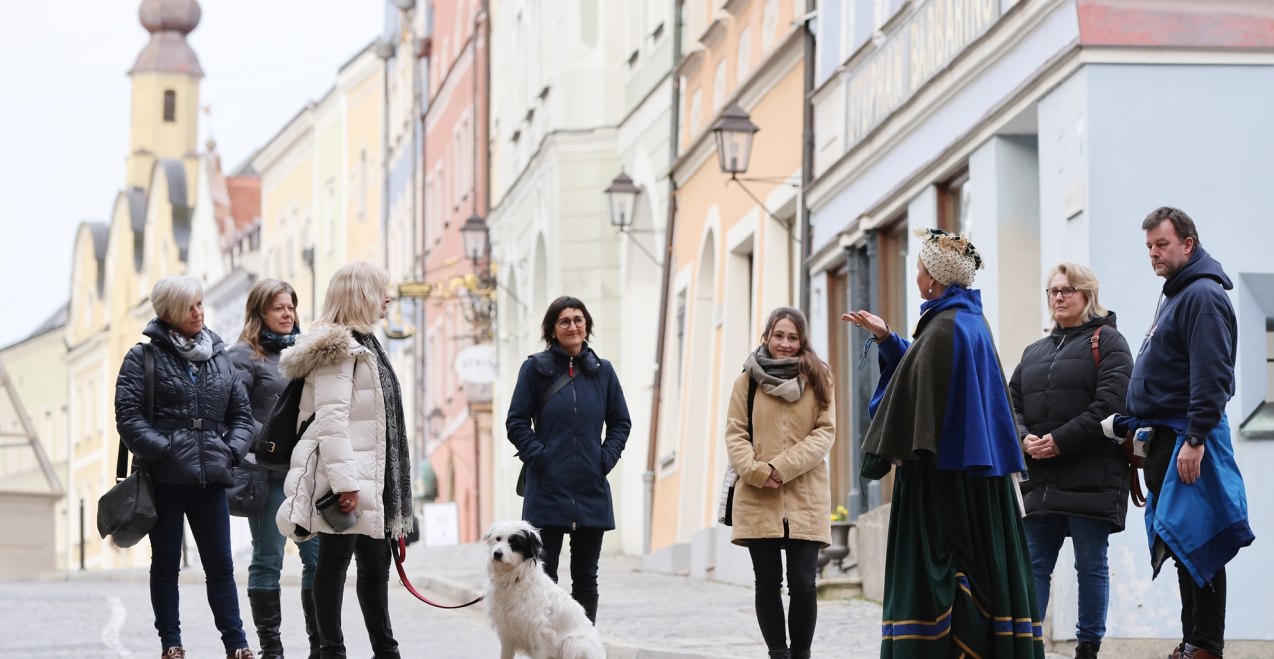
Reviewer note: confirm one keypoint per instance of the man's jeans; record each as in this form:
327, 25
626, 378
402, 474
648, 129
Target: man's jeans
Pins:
268, 543
205, 508
1045, 534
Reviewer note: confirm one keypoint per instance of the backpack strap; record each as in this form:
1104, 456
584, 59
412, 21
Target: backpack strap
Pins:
1094, 342
751, 402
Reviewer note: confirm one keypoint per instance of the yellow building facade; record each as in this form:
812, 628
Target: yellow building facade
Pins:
735, 248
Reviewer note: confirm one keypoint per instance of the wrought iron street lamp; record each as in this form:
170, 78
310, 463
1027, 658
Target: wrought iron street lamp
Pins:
621, 201
734, 132
476, 239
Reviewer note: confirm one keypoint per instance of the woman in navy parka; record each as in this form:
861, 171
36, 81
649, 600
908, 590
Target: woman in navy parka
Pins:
560, 440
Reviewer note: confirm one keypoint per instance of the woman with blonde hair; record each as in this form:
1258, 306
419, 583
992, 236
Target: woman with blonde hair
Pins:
779, 427
350, 476
197, 428
1066, 383
269, 326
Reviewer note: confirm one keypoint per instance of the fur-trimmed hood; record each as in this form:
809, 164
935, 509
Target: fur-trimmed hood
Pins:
323, 345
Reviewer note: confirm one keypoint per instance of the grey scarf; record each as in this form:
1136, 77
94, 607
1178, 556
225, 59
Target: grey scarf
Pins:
780, 378
397, 499
198, 349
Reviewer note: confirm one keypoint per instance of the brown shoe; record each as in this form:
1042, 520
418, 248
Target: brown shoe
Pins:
1177, 653
1191, 652
174, 653
241, 653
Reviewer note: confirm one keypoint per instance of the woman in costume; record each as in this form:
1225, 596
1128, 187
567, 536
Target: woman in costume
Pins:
780, 425
958, 573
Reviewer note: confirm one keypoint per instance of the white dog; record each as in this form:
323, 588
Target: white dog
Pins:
527, 610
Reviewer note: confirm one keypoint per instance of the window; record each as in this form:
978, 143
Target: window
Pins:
718, 86
769, 23
362, 182
170, 106
744, 65
953, 205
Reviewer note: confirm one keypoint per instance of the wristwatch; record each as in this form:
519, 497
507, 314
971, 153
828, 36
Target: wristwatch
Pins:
1194, 440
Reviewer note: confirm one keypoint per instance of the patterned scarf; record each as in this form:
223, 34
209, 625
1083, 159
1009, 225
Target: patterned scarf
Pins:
397, 499
777, 377
272, 342
198, 349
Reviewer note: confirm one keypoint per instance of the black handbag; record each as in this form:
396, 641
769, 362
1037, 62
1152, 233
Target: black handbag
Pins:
246, 497
520, 486
127, 511
728, 517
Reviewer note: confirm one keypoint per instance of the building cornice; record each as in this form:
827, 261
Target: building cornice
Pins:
300, 127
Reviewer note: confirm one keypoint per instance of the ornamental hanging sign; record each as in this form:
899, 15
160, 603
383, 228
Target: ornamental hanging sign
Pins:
476, 364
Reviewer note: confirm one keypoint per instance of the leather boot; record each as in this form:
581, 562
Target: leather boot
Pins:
373, 599
311, 626
1193, 652
799, 654
1086, 650
266, 616
780, 654
1176, 652
589, 602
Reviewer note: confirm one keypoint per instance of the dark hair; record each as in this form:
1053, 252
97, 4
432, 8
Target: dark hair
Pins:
1181, 223
816, 373
555, 309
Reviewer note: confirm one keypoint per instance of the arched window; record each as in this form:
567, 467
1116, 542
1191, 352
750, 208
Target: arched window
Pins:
170, 105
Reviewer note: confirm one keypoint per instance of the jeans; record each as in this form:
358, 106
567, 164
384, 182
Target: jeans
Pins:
372, 588
802, 565
586, 549
268, 543
1044, 535
205, 508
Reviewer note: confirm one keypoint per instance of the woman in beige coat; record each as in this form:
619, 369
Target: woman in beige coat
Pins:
355, 450
780, 426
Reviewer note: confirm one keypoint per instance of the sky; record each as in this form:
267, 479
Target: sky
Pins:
64, 106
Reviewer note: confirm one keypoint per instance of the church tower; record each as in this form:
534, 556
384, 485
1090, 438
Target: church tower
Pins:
165, 112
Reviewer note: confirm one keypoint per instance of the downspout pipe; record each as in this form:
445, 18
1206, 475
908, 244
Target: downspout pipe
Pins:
807, 152
666, 277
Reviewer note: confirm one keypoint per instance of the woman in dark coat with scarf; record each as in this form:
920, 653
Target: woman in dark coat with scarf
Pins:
1078, 484
560, 439
958, 574
269, 326
200, 429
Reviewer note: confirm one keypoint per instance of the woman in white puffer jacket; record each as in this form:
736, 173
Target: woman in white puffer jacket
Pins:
356, 448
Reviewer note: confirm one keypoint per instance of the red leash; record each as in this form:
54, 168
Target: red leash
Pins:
399, 551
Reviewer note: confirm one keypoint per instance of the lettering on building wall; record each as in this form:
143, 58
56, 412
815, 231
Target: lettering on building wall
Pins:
918, 50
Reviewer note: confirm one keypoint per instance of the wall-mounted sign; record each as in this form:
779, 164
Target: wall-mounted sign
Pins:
476, 364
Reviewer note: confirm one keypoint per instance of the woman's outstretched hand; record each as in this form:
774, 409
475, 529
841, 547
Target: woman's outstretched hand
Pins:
868, 321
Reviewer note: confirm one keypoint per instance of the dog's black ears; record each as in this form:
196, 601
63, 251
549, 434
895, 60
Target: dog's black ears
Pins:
537, 546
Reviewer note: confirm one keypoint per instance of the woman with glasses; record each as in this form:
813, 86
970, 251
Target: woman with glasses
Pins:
1078, 486
569, 422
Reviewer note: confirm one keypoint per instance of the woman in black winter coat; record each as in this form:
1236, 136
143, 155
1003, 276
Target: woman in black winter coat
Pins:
200, 429
560, 440
1078, 480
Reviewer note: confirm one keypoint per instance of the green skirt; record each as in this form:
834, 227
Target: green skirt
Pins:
958, 580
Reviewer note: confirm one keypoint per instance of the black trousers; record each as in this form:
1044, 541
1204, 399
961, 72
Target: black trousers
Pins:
802, 567
372, 587
1202, 607
586, 549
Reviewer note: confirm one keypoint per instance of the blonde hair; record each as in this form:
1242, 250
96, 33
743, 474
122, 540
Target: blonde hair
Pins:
172, 296
260, 299
354, 296
1085, 281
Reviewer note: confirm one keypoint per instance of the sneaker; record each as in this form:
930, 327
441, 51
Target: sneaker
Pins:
174, 653
241, 653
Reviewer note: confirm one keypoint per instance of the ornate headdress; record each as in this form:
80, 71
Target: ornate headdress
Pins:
949, 258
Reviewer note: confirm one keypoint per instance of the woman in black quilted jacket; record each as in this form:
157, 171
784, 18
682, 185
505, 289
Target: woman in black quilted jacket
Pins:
1078, 480
200, 429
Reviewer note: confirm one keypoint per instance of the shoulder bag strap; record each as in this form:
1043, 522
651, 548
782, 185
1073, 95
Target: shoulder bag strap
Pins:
1095, 342
751, 402
557, 386
148, 367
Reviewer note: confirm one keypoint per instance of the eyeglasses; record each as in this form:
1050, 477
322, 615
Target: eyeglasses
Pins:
1064, 292
566, 323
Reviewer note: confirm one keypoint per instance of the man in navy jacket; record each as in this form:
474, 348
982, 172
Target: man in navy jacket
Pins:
1197, 511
